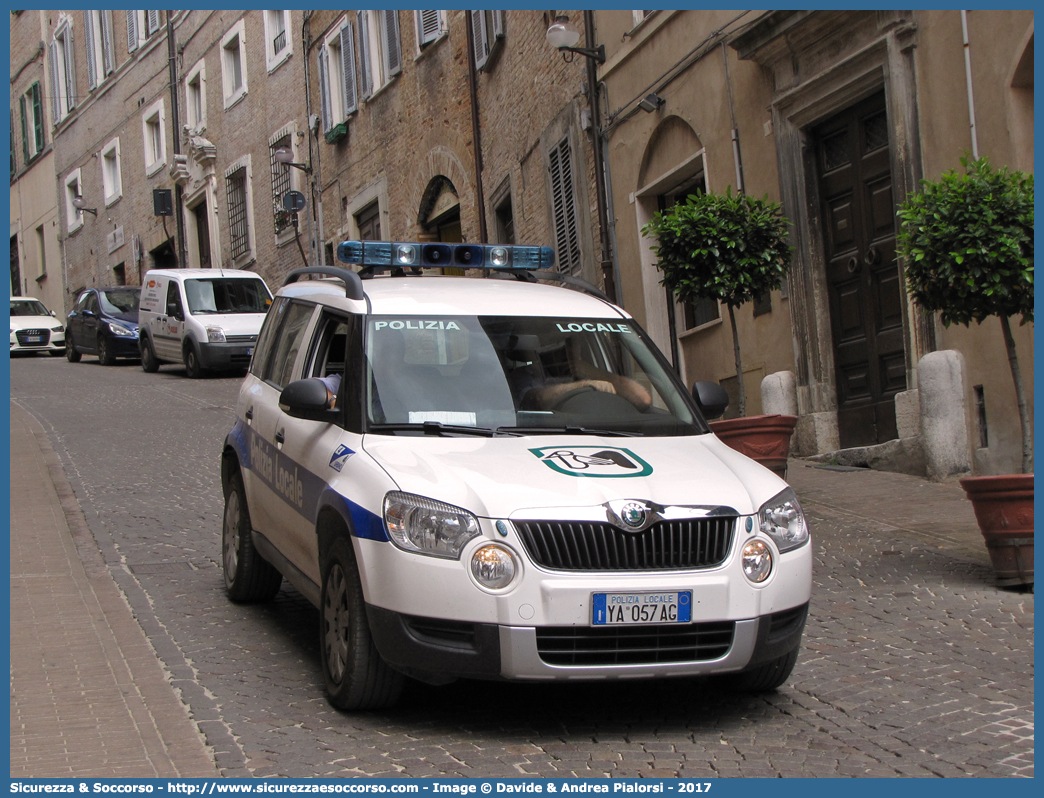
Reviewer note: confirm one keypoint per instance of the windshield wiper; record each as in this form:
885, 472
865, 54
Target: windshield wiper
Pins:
438, 428
569, 430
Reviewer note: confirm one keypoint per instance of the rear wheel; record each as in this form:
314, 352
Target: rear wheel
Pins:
105, 355
149, 363
769, 676
356, 675
248, 577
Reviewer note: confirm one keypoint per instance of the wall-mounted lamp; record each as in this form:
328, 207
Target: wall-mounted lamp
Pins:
651, 102
80, 205
562, 35
285, 156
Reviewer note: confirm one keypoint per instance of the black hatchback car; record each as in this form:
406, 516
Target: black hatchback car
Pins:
104, 322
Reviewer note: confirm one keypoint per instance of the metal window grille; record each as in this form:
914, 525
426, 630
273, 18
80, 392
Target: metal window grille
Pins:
280, 186
235, 186
563, 202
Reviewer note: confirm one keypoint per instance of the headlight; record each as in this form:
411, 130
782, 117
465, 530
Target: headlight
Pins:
782, 520
757, 560
59, 328
120, 330
493, 566
426, 526
215, 335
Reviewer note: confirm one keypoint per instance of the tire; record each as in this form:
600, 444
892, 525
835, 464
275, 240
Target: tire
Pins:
149, 363
356, 675
71, 353
248, 577
192, 365
105, 355
769, 676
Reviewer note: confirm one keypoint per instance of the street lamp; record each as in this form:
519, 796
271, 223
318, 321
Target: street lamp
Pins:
80, 205
562, 35
285, 156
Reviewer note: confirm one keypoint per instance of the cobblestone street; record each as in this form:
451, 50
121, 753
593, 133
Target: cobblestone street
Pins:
914, 664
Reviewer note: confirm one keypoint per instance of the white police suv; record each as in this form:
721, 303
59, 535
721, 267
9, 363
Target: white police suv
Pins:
493, 477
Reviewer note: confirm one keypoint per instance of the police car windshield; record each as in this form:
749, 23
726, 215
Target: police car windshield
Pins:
524, 374
229, 295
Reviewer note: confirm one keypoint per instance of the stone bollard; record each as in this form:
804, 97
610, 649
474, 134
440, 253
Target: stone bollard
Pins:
944, 414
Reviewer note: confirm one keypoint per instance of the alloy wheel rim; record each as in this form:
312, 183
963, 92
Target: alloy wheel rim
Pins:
335, 623
231, 536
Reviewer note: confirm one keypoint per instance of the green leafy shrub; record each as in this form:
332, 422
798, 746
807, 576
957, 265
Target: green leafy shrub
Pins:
967, 241
723, 247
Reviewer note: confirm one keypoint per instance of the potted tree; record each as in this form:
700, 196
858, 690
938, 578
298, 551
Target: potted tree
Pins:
967, 240
731, 249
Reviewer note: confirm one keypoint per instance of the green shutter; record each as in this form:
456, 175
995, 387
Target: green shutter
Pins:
38, 117
25, 130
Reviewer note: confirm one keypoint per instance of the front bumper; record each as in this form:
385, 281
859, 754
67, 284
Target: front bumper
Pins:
226, 356
438, 650
37, 340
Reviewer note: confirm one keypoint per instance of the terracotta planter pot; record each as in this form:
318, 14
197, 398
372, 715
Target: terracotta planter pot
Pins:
765, 439
1004, 509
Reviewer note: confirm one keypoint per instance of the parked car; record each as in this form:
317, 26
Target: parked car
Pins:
34, 328
104, 322
497, 479
204, 318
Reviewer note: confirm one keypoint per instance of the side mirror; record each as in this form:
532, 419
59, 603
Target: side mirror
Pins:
172, 310
54, 314
711, 397
307, 399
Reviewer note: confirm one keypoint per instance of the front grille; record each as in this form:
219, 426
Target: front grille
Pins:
783, 624
634, 645
240, 360
240, 339
458, 634
594, 546
24, 335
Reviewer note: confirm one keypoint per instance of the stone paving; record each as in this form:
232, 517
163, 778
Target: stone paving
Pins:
914, 663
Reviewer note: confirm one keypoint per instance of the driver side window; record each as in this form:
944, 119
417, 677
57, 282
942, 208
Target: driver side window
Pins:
334, 358
288, 343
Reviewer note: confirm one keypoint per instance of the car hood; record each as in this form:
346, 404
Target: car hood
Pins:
33, 322
128, 318
232, 323
518, 477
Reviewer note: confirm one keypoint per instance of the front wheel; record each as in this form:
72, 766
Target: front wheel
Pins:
71, 353
769, 676
356, 675
248, 577
149, 363
105, 355
193, 367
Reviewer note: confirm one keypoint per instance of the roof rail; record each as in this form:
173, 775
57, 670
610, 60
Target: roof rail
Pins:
559, 277
353, 287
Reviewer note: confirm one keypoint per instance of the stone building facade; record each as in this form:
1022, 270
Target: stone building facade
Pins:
837, 115
36, 263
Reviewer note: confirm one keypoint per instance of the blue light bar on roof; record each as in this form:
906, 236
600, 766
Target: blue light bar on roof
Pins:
401, 255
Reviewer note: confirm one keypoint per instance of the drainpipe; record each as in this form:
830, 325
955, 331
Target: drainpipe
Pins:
179, 219
736, 157
968, 77
314, 176
476, 129
601, 165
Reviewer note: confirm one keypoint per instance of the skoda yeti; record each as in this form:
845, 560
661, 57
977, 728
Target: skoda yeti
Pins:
494, 477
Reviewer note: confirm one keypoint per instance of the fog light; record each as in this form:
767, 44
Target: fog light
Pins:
757, 561
493, 566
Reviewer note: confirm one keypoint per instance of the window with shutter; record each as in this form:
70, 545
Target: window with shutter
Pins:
90, 42
63, 73
133, 31
487, 30
153, 23
365, 45
108, 53
430, 26
26, 156
324, 89
563, 208
70, 69
36, 103
56, 88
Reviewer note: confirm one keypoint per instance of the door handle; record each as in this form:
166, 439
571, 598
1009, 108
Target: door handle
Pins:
853, 265
249, 413
280, 437
871, 256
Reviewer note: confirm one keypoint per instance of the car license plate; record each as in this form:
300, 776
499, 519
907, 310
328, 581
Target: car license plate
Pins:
635, 609
33, 339
250, 350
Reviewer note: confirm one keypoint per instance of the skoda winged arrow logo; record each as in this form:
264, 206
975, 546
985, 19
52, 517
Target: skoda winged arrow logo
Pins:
633, 514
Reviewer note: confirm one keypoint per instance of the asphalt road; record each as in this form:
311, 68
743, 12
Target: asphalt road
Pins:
913, 663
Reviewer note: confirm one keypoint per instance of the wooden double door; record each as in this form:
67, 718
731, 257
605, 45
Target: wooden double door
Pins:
863, 278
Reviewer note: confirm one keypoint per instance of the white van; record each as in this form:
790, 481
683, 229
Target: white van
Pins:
204, 318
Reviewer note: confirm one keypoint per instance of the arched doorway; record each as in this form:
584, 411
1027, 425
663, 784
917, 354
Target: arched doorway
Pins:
439, 212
